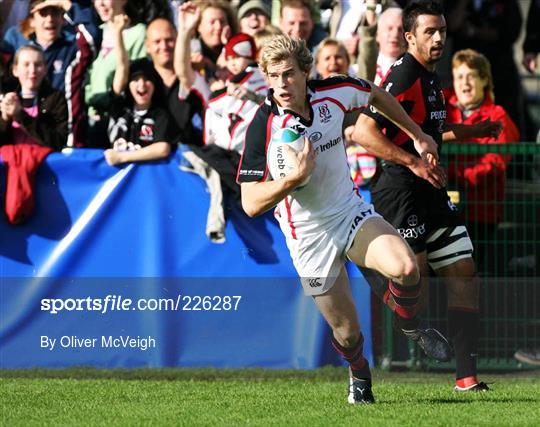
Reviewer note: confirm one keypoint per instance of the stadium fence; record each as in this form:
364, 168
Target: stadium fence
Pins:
507, 254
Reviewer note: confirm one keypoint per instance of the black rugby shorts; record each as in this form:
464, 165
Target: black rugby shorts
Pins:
416, 212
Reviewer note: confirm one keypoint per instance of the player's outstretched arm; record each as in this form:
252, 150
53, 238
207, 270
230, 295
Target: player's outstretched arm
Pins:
389, 107
258, 197
367, 133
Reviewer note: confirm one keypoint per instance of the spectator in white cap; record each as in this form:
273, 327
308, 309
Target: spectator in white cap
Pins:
253, 15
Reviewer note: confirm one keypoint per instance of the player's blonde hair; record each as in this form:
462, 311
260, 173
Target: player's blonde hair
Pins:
281, 48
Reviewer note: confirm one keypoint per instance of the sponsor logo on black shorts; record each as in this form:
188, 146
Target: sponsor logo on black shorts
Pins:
412, 221
414, 231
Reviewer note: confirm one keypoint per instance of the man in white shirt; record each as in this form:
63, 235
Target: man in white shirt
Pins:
390, 40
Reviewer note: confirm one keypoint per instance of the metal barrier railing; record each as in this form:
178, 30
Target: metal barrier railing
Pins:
497, 191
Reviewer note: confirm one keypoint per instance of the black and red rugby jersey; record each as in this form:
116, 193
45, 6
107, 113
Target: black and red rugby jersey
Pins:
419, 93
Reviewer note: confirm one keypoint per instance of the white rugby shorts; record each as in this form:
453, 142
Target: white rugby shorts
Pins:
318, 256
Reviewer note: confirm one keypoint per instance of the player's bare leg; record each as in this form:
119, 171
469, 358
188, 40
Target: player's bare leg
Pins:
378, 246
338, 308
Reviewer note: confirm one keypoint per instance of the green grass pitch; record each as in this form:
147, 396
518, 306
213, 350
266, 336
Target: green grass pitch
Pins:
87, 396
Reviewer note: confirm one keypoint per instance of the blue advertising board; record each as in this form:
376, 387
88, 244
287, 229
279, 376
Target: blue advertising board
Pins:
114, 270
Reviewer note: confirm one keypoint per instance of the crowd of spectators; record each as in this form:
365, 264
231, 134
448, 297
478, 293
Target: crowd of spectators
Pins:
140, 78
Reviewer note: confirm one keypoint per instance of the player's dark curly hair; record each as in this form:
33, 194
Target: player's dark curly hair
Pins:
419, 7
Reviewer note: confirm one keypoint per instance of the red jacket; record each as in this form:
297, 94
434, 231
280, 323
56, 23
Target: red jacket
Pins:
21, 162
482, 176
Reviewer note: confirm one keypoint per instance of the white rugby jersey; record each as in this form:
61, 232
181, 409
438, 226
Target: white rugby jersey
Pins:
227, 117
330, 192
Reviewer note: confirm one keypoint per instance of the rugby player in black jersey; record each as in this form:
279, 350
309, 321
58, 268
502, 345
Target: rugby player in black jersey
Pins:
420, 208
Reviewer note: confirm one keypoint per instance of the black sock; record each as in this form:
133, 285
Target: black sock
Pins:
362, 374
401, 323
464, 331
362, 382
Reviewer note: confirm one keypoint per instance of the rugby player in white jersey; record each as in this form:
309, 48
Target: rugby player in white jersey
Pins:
326, 221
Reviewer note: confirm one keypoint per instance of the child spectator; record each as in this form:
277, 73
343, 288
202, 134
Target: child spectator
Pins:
138, 125
332, 59
264, 35
230, 108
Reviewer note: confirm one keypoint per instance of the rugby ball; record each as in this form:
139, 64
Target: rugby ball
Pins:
278, 160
